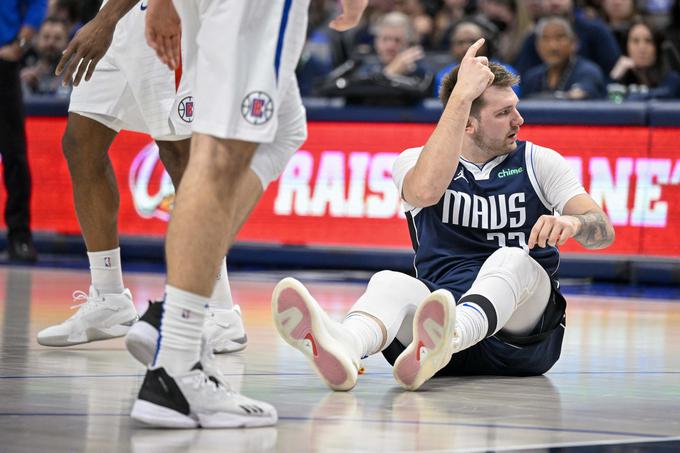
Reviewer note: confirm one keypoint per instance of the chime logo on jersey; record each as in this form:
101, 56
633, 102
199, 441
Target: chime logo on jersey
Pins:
493, 212
257, 107
185, 109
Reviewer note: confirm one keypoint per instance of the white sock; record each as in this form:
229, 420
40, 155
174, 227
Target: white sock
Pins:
106, 272
365, 334
181, 328
221, 295
472, 325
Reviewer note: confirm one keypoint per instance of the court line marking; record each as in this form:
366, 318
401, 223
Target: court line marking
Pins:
83, 376
568, 444
374, 420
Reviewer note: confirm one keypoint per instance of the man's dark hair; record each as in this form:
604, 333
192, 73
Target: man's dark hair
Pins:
502, 78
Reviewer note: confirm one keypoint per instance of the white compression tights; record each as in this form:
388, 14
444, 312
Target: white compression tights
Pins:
516, 286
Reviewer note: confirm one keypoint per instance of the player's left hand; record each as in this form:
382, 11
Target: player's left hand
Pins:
163, 30
85, 50
551, 230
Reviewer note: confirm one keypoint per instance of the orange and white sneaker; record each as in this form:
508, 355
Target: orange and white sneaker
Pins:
303, 324
433, 341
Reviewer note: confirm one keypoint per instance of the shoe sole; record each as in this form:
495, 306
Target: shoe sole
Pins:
432, 345
141, 341
91, 335
160, 416
300, 322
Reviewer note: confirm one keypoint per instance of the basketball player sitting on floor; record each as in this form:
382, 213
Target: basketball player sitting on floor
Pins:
480, 206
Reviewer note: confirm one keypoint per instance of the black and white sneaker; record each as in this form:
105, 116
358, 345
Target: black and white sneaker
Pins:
142, 338
196, 400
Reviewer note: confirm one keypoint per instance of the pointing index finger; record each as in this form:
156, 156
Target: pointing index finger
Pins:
472, 50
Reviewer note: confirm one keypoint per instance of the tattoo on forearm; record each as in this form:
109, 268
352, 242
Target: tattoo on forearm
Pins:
594, 232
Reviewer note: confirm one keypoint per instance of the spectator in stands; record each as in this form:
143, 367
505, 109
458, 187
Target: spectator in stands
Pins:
535, 8
19, 21
595, 41
465, 33
656, 12
69, 12
38, 77
643, 71
513, 22
394, 75
563, 74
450, 13
673, 37
619, 15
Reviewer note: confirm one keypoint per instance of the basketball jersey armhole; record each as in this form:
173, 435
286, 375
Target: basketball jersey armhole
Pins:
531, 172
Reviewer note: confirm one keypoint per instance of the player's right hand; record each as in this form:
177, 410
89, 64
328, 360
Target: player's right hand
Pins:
474, 75
351, 14
85, 50
163, 30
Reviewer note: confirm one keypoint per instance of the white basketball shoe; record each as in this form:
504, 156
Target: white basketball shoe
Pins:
223, 331
303, 324
99, 317
434, 339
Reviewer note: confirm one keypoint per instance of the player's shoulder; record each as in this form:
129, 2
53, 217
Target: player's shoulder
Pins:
542, 158
411, 151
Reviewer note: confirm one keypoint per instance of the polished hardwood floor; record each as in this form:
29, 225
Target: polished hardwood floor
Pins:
618, 382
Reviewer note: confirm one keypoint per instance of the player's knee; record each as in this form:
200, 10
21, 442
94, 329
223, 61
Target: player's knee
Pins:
175, 156
222, 159
511, 261
73, 146
388, 279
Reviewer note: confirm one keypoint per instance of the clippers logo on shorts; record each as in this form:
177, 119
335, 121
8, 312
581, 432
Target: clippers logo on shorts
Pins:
257, 108
185, 109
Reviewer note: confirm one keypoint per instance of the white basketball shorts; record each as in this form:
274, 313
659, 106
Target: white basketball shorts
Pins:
131, 89
240, 59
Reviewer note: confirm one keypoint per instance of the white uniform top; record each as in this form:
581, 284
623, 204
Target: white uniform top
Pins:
555, 180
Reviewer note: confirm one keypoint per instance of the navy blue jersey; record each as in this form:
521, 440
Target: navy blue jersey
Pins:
475, 217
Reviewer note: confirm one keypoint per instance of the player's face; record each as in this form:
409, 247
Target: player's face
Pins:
496, 129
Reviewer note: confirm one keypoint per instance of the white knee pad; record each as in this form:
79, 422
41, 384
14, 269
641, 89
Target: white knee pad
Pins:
516, 268
271, 159
391, 297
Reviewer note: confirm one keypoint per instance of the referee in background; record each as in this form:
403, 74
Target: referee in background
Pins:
19, 21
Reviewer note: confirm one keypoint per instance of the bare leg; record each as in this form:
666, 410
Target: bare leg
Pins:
175, 156
95, 192
205, 218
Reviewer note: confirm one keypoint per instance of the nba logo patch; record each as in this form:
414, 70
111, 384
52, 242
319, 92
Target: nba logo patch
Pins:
186, 314
107, 261
257, 107
185, 109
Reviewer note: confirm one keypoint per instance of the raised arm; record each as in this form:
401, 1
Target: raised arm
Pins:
426, 182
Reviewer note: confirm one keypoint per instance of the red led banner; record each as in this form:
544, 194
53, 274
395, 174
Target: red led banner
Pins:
338, 191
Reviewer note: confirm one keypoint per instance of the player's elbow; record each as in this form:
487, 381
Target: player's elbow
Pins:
423, 196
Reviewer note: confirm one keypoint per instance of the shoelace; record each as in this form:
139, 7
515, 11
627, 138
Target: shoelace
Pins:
86, 302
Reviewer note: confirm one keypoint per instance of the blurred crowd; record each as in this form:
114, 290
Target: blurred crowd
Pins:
562, 49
